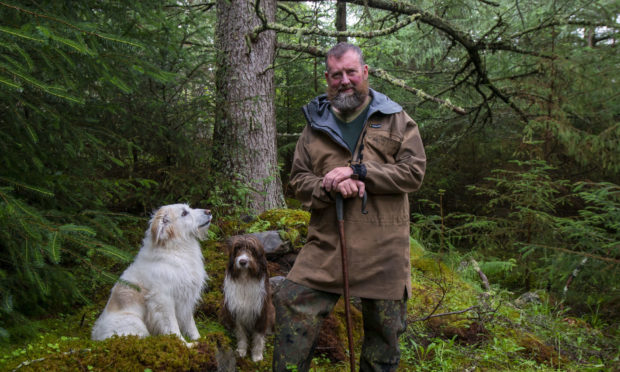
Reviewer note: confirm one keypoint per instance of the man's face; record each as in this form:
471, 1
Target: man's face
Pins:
347, 82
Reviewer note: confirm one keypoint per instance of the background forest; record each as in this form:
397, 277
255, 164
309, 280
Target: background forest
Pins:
109, 109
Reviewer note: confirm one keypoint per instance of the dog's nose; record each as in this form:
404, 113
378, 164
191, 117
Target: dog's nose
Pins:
243, 262
208, 212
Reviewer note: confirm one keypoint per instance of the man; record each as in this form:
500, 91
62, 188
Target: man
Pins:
357, 140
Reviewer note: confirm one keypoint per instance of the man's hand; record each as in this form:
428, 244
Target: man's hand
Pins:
335, 176
350, 188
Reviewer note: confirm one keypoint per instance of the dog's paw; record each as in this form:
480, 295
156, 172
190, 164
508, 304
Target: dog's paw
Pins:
194, 336
191, 344
257, 357
242, 352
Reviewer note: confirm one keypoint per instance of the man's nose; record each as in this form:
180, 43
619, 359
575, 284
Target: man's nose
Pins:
345, 79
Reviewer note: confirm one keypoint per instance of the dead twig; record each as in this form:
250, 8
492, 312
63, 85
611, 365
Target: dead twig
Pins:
445, 314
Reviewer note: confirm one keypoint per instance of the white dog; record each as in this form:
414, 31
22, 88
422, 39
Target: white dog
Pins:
158, 292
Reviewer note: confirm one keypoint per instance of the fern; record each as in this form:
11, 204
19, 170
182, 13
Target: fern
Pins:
497, 267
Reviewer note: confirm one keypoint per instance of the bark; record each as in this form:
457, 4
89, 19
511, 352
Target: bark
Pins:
245, 128
341, 20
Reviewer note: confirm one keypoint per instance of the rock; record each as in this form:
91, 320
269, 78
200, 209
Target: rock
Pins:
275, 282
226, 360
527, 298
273, 244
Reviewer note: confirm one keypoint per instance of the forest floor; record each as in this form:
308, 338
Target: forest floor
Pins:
471, 329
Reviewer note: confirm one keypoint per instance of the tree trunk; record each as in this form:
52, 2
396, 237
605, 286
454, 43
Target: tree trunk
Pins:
341, 19
245, 148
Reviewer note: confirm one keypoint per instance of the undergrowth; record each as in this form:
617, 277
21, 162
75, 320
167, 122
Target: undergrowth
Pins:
454, 324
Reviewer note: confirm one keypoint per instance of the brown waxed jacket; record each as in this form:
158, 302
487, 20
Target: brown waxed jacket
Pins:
391, 152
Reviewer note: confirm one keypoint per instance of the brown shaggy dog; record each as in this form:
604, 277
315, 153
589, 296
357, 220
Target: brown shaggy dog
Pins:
247, 306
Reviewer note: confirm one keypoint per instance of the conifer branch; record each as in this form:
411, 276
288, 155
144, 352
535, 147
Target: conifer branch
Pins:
584, 254
379, 73
68, 24
382, 74
314, 30
472, 47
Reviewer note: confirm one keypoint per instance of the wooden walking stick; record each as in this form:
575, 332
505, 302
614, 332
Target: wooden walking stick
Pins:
345, 277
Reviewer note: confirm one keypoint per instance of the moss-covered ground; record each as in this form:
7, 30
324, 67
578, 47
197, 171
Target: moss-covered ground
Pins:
453, 325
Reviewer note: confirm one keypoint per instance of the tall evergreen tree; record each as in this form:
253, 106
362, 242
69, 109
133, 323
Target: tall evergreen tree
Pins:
245, 128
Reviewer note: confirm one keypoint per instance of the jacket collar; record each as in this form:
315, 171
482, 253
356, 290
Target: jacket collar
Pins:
319, 116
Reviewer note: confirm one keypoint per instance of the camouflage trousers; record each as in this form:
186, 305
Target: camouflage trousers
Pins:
300, 311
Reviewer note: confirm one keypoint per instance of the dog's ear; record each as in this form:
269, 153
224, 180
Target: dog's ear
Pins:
161, 227
231, 243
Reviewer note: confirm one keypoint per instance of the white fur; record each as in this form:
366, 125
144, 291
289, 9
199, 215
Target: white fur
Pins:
169, 273
245, 299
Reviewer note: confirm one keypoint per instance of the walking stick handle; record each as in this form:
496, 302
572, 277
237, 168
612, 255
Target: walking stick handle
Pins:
339, 207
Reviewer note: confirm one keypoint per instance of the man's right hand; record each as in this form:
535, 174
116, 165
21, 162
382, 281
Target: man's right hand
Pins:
351, 188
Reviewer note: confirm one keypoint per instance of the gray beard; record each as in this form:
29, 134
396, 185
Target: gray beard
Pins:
346, 103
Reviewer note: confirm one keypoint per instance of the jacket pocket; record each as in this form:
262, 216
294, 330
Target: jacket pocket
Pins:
380, 148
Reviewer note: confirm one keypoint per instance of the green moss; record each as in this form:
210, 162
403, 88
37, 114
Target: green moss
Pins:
430, 279
229, 226
356, 321
64, 345
292, 224
293, 203
216, 260
158, 353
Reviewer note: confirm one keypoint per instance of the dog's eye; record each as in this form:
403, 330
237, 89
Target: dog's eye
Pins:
185, 213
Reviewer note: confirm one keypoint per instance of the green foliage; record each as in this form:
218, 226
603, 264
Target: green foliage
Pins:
39, 258
102, 113
524, 224
106, 112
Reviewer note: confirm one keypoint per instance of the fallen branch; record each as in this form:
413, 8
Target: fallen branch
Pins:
485, 280
445, 314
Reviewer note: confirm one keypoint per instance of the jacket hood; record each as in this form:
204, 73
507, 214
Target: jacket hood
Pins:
319, 116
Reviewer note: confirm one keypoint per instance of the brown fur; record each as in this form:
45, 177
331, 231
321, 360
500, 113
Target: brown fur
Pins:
255, 269
123, 296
